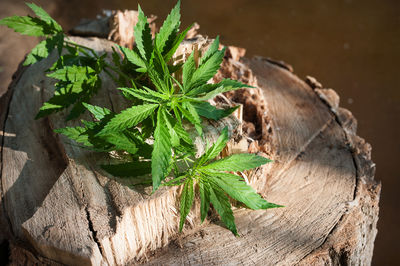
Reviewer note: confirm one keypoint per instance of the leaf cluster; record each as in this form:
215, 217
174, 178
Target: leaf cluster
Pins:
153, 131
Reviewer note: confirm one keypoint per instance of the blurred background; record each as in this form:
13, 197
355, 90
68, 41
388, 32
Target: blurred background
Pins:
352, 46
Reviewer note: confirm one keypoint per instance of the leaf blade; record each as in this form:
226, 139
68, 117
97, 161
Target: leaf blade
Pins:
25, 25
128, 118
170, 25
237, 188
221, 204
41, 13
142, 34
238, 162
204, 199
161, 155
186, 201
209, 111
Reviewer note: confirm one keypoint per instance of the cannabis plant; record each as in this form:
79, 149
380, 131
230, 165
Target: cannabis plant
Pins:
153, 132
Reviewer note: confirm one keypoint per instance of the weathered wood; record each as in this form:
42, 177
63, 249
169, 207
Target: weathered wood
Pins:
58, 202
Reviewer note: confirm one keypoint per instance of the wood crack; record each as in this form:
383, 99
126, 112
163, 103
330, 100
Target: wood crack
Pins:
94, 232
355, 164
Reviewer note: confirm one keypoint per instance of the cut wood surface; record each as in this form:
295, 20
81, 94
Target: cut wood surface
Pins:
59, 207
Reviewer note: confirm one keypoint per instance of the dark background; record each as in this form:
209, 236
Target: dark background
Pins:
352, 46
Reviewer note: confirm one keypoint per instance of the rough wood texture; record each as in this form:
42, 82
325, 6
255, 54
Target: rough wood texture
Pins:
64, 209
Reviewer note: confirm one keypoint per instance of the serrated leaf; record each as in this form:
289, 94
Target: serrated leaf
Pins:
171, 122
176, 43
170, 25
182, 133
207, 70
186, 201
155, 93
221, 204
131, 169
158, 81
238, 162
75, 133
121, 142
60, 101
189, 67
205, 199
216, 148
72, 73
212, 90
72, 59
89, 88
209, 111
143, 37
161, 156
133, 57
97, 111
129, 118
26, 25
191, 114
237, 188
141, 94
45, 17
42, 50
210, 51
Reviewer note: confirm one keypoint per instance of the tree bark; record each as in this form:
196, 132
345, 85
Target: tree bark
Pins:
57, 206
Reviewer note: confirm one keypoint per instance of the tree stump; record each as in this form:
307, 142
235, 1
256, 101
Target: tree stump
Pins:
58, 207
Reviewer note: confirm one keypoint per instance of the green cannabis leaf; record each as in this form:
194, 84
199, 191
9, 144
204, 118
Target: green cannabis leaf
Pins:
215, 183
152, 133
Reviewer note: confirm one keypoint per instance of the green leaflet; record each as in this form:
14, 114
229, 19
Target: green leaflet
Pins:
215, 149
75, 133
182, 133
131, 169
97, 111
190, 112
170, 25
209, 111
161, 156
237, 188
212, 90
143, 36
27, 25
171, 122
221, 204
176, 43
121, 142
129, 118
61, 100
204, 190
42, 50
142, 95
189, 67
207, 70
186, 202
210, 51
133, 57
237, 162
45, 17
72, 73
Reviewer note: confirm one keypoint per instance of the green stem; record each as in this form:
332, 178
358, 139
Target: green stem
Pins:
82, 47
